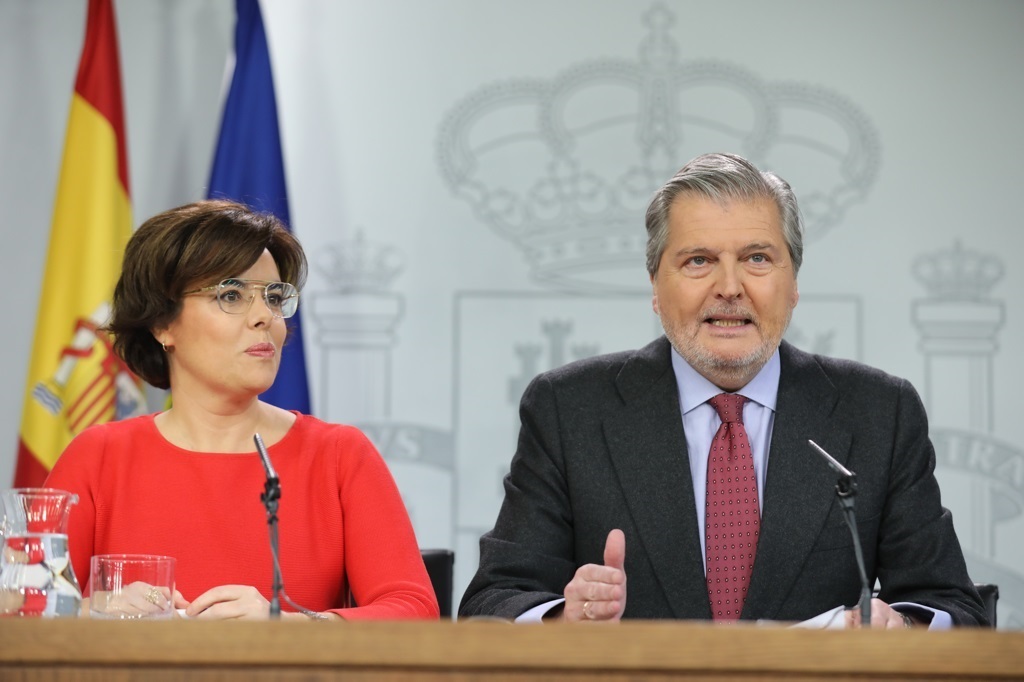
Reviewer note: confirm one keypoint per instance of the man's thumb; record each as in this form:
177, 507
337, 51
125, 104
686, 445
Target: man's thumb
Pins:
615, 550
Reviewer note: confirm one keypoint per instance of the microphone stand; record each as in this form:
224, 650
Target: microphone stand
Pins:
271, 494
846, 489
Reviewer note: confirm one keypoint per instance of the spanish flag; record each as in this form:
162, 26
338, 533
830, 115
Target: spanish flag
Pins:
74, 379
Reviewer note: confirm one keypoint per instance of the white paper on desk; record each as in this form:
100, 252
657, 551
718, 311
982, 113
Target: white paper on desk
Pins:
834, 619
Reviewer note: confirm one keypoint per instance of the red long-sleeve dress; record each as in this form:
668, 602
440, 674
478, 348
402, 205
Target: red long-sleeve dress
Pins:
342, 524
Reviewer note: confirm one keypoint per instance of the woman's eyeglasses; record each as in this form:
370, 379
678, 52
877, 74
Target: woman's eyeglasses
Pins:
235, 296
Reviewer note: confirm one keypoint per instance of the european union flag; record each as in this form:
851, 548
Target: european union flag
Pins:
249, 168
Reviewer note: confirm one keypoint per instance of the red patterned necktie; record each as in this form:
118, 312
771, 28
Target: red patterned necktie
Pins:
731, 515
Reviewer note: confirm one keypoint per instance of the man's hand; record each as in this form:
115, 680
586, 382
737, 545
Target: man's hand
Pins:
599, 592
883, 616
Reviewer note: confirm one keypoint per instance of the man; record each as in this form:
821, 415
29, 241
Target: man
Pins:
613, 507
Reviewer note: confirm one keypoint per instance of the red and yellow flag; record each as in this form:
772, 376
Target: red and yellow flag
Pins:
74, 379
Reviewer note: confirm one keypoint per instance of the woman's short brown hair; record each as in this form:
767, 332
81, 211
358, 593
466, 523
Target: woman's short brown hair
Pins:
190, 246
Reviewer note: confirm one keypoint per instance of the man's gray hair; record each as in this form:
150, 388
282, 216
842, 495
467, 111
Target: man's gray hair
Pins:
724, 178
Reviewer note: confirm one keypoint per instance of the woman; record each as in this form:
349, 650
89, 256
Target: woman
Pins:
200, 309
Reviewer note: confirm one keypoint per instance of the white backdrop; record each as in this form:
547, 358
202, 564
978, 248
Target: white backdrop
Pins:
469, 180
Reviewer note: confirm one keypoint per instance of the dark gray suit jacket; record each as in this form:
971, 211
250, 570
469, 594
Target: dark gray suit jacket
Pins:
602, 447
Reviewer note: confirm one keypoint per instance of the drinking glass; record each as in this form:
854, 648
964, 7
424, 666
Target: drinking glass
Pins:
131, 586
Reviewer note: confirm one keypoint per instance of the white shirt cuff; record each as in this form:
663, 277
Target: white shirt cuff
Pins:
941, 620
537, 613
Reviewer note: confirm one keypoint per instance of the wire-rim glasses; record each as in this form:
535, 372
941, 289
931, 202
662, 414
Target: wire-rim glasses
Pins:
235, 296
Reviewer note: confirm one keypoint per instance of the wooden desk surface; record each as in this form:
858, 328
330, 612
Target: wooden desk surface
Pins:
85, 650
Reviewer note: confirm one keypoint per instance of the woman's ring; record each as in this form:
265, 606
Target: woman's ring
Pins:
154, 597
586, 611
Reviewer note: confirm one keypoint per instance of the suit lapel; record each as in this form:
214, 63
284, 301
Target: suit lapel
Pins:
799, 487
648, 450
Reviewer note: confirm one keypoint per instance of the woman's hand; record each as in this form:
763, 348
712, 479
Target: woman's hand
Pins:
137, 600
227, 602
233, 602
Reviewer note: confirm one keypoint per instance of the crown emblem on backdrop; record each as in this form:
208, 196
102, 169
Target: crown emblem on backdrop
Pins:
359, 266
958, 273
564, 168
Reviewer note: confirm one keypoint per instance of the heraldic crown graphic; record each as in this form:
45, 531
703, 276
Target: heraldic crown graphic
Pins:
564, 168
358, 265
958, 273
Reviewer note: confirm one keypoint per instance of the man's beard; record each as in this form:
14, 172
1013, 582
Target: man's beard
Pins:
734, 372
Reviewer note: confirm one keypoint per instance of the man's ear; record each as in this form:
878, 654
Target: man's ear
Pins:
654, 298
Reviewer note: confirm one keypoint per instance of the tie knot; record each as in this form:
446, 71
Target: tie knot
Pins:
729, 406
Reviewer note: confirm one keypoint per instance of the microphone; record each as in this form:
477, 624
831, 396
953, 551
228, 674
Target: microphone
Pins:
262, 449
271, 494
846, 489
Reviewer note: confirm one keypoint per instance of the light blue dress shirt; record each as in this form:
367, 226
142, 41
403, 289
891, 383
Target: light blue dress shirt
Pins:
701, 422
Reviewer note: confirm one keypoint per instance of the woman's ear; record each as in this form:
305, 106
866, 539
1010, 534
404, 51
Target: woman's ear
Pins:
163, 336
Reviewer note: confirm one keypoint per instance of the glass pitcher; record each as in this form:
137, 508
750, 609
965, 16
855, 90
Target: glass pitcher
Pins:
36, 578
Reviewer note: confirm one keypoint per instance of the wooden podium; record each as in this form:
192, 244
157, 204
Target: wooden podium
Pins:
87, 650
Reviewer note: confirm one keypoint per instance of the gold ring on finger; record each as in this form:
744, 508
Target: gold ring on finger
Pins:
154, 597
586, 611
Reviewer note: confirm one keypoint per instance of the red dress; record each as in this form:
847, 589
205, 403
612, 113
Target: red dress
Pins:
342, 524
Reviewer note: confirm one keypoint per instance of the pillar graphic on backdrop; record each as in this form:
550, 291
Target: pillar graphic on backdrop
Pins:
357, 321
959, 322
357, 329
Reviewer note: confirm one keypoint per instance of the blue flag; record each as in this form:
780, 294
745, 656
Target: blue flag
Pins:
249, 168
